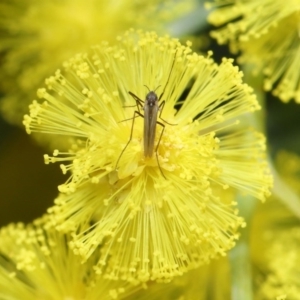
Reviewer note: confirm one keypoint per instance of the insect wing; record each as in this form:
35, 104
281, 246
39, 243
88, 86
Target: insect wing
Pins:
150, 118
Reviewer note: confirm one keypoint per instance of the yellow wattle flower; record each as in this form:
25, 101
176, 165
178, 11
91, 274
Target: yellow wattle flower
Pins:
36, 36
37, 263
156, 217
267, 34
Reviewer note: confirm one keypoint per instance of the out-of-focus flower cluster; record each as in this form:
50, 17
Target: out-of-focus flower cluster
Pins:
267, 35
37, 263
37, 36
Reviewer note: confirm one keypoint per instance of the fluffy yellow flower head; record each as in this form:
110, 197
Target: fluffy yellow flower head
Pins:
36, 36
36, 263
267, 34
161, 215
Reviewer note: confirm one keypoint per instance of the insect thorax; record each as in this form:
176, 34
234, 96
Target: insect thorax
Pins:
151, 98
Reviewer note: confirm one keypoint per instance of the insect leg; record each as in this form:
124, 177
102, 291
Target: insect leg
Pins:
139, 102
136, 114
161, 107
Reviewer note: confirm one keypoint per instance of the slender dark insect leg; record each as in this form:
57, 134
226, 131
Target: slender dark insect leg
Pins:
161, 107
130, 106
161, 134
136, 114
139, 102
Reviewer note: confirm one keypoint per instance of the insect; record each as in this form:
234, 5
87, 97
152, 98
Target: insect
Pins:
152, 108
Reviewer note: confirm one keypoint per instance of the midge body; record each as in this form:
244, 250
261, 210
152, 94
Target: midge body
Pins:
152, 108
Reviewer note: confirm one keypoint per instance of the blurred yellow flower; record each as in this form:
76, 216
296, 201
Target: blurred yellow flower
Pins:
267, 34
275, 234
156, 216
288, 164
282, 259
36, 263
36, 36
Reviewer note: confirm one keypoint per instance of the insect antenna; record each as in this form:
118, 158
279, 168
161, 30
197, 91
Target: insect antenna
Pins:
168, 77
